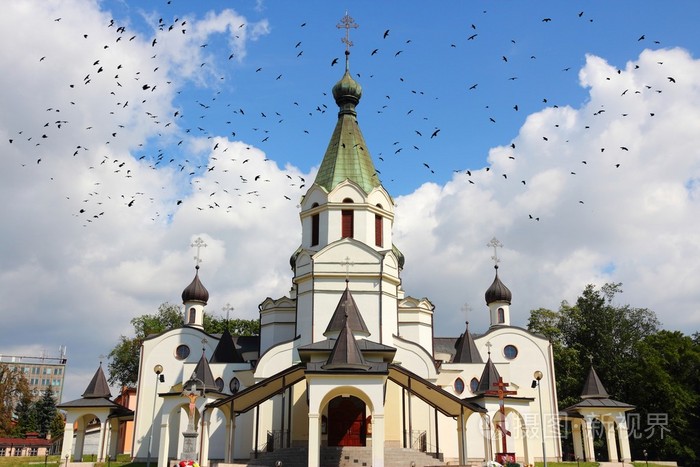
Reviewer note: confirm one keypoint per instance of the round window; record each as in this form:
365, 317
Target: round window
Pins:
219, 384
510, 352
234, 385
459, 386
182, 352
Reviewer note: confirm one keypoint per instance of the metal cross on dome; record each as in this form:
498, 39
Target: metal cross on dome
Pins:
495, 244
198, 244
347, 23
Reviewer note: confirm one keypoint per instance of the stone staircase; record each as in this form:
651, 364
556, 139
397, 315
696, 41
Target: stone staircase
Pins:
346, 457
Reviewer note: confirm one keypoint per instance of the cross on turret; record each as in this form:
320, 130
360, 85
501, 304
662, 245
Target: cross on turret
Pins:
347, 264
495, 244
347, 23
198, 243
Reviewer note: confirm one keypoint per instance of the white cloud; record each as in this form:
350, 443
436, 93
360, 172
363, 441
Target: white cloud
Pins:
637, 223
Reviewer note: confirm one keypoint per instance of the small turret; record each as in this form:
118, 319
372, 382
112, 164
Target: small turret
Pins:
195, 297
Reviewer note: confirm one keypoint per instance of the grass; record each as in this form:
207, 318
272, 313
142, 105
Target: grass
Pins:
56, 461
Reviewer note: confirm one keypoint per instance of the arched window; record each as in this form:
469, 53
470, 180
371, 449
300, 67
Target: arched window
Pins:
474, 385
378, 230
347, 221
315, 226
501, 315
193, 314
459, 386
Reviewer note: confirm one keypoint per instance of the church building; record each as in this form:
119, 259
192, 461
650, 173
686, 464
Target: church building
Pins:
346, 369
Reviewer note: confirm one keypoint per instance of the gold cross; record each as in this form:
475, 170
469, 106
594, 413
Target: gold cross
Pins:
346, 23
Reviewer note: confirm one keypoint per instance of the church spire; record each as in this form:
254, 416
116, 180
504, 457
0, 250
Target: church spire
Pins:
347, 156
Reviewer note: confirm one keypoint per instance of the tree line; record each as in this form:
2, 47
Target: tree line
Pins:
20, 412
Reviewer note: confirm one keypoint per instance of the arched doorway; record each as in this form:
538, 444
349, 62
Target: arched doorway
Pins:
346, 422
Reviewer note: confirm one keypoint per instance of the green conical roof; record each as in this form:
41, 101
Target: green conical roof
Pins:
347, 156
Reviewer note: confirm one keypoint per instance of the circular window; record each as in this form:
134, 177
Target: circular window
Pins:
182, 352
510, 352
234, 385
459, 386
474, 385
219, 384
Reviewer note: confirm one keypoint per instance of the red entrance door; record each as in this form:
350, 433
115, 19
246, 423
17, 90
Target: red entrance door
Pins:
346, 422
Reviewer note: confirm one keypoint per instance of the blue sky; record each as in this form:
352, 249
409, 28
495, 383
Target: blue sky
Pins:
118, 152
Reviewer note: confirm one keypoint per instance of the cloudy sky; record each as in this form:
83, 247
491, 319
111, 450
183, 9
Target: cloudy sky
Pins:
569, 131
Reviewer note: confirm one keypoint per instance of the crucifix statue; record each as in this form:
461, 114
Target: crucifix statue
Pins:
501, 393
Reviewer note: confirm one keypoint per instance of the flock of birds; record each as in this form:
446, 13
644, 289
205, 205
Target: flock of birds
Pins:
201, 118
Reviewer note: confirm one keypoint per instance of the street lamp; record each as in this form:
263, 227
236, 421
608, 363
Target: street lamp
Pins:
536, 382
158, 370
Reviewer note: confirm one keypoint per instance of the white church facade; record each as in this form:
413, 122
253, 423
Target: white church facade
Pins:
347, 364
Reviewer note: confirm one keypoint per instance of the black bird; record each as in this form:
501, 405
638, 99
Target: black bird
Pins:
335, 61
386, 33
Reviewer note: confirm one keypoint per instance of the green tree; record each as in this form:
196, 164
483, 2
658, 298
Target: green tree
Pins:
45, 412
13, 386
667, 398
594, 330
123, 363
25, 415
237, 327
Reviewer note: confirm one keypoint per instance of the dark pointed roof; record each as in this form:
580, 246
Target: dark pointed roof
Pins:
593, 387
98, 387
203, 373
347, 311
488, 377
595, 397
498, 292
195, 292
226, 351
347, 156
346, 355
466, 351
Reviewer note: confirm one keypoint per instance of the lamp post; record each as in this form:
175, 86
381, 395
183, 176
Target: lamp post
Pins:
538, 377
158, 370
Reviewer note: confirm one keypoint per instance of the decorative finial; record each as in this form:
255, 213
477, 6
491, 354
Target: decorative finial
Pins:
204, 345
227, 308
489, 345
103, 356
495, 244
466, 309
347, 264
347, 23
198, 243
